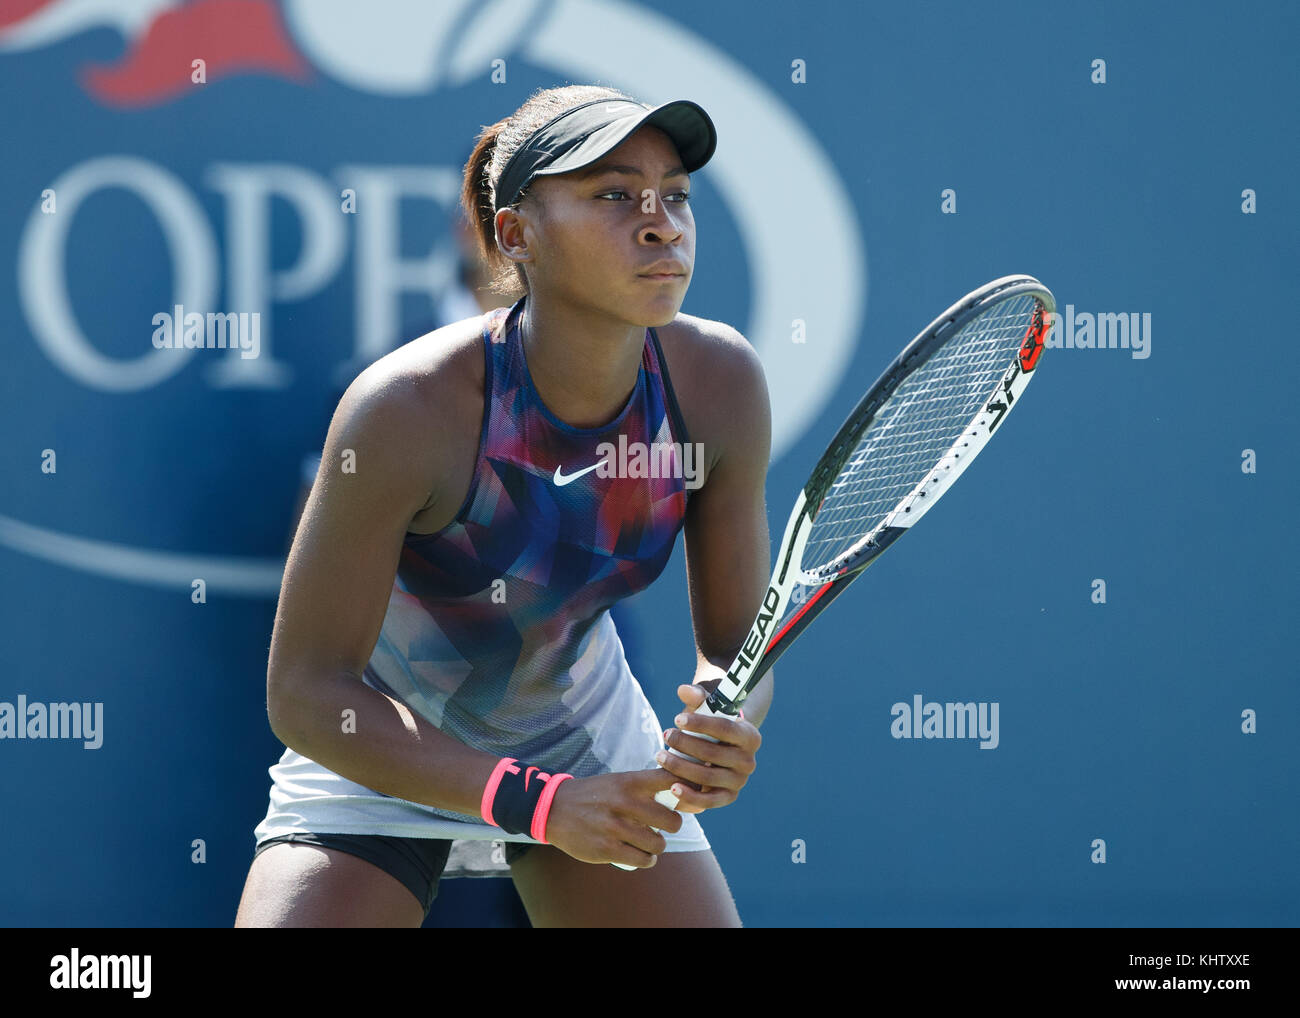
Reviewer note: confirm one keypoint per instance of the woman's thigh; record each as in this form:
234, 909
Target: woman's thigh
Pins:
681, 889
306, 885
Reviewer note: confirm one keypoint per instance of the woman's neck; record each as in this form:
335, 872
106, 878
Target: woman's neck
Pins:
583, 363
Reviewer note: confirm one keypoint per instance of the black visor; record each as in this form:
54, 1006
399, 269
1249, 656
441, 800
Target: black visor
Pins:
582, 135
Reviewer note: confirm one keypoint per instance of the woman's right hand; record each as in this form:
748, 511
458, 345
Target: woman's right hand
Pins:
609, 818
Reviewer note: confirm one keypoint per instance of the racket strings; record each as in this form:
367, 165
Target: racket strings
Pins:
915, 428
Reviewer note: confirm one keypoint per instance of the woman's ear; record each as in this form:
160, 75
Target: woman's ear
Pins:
510, 233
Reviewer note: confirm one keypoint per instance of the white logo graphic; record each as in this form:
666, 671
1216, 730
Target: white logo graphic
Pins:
413, 48
561, 480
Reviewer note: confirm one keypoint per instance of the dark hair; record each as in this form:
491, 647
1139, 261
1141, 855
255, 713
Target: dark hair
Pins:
492, 150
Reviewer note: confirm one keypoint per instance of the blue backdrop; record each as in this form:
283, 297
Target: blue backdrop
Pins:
876, 161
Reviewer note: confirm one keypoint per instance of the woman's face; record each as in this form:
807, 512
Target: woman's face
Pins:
595, 234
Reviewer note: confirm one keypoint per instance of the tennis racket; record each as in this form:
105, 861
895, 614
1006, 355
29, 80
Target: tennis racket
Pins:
909, 438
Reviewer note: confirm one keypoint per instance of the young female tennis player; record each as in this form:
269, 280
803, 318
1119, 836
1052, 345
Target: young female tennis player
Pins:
443, 664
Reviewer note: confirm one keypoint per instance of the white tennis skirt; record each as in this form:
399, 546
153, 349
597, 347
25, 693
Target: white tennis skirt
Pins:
622, 733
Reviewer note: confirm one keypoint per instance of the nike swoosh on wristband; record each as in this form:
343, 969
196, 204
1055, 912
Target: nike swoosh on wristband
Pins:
561, 480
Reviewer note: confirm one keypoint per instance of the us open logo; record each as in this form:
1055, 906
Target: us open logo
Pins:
202, 237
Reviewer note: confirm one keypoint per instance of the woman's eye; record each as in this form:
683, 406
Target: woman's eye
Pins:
682, 196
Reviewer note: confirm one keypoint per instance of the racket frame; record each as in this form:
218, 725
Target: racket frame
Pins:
761, 649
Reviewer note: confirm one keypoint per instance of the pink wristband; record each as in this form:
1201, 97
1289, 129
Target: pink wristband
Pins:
490, 789
543, 811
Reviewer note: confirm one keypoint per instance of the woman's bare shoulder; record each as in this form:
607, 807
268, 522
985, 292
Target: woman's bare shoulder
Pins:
431, 368
423, 403
716, 374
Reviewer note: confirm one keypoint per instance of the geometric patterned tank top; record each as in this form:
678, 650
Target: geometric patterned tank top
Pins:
497, 630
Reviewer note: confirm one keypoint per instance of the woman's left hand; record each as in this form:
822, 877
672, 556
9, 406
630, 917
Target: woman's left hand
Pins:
725, 765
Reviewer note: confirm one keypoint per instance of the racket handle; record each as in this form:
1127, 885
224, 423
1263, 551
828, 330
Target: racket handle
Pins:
665, 796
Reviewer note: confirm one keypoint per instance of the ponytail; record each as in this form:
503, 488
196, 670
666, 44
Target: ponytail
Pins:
477, 201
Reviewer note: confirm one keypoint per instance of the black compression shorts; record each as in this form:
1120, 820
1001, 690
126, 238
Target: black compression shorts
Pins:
416, 862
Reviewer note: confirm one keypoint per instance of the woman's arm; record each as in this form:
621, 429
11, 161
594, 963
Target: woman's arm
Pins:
728, 566
379, 469
375, 475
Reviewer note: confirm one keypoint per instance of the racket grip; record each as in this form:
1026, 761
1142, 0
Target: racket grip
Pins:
665, 796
